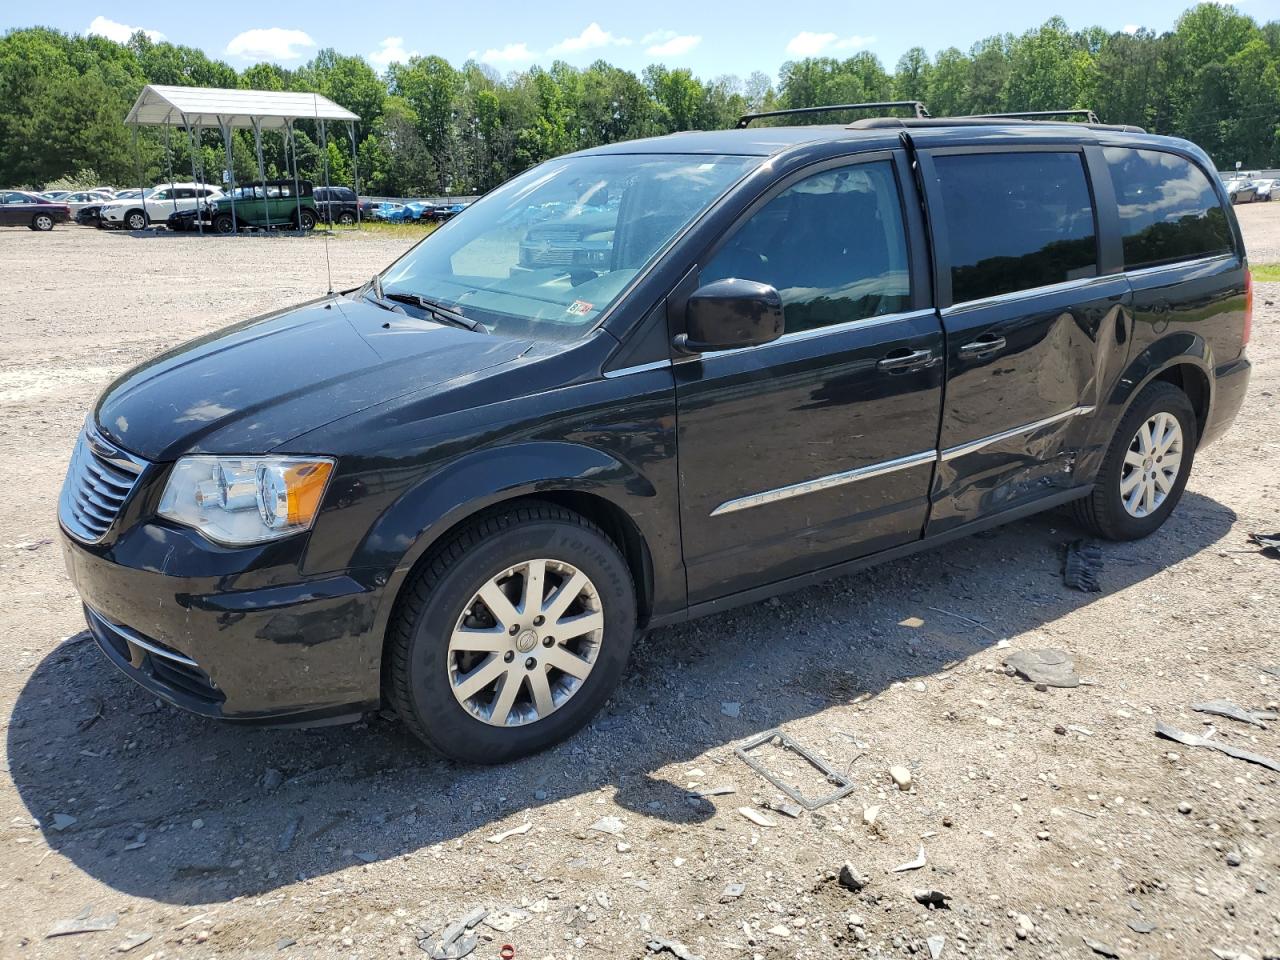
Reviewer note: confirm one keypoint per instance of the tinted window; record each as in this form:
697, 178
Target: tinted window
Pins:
832, 245
1016, 221
1168, 208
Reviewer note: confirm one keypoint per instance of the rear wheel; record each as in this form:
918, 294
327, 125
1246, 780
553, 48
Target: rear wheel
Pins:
1145, 468
512, 635
347, 217
136, 220
306, 220
42, 222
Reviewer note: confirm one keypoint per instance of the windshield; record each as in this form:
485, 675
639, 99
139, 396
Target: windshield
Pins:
546, 253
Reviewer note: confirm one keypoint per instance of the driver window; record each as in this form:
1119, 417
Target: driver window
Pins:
832, 245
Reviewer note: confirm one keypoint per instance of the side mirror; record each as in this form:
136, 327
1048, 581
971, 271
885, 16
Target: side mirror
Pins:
730, 313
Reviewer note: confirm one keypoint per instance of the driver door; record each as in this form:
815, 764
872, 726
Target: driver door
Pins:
820, 446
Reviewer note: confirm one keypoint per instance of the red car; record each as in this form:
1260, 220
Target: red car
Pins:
19, 209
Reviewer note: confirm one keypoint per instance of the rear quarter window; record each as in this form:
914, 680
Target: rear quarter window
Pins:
1168, 209
1016, 221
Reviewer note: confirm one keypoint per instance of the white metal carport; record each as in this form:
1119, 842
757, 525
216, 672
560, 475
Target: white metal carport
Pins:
197, 107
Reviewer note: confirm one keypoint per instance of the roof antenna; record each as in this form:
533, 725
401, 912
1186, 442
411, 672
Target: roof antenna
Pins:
328, 210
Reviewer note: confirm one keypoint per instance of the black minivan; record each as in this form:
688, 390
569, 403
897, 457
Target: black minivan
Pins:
462, 488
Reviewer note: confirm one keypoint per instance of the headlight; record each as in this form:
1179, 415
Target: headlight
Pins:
242, 500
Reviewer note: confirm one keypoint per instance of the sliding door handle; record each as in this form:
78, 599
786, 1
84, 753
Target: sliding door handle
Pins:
905, 360
984, 346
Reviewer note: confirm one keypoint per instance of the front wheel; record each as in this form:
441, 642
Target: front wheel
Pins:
224, 223
136, 220
1145, 468
512, 635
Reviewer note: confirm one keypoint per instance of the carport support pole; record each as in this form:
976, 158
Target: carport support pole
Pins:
168, 163
227, 134
137, 156
297, 200
355, 168
262, 167
324, 147
191, 137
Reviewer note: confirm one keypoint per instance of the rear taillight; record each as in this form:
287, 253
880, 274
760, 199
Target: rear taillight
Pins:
1248, 306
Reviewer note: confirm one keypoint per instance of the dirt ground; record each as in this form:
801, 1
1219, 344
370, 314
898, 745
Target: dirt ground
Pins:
1045, 817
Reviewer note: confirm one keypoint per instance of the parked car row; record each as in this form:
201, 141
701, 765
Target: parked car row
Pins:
413, 211
1244, 190
185, 206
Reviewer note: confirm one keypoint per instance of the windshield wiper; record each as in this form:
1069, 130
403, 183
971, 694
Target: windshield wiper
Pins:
438, 311
374, 286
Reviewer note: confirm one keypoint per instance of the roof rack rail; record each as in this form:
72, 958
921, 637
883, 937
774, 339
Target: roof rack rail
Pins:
917, 106
1088, 115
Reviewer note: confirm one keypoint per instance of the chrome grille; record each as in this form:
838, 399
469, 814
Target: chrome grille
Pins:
99, 480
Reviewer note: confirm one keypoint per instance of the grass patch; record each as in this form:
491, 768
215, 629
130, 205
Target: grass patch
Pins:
1266, 272
387, 229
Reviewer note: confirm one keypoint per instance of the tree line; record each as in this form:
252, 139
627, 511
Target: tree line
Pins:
430, 128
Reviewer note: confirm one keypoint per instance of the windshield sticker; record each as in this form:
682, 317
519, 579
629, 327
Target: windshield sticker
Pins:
579, 308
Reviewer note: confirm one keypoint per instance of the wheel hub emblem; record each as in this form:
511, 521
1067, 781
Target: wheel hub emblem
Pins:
526, 641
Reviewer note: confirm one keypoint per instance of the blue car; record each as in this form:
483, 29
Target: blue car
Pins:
391, 212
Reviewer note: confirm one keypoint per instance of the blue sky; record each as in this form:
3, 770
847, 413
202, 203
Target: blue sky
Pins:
712, 37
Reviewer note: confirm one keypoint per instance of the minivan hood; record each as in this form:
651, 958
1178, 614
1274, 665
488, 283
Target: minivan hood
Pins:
252, 386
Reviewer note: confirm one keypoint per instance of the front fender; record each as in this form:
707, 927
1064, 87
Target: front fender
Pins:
412, 525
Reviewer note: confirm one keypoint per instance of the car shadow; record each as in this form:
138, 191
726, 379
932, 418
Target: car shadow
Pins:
180, 809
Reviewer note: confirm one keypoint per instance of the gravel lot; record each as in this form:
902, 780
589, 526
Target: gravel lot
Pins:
1046, 817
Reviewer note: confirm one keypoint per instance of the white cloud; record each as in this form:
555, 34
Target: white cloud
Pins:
272, 43
806, 44
511, 53
390, 51
592, 38
1130, 28
667, 43
120, 32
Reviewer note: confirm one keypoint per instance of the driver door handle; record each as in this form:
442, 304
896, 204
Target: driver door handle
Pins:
905, 360
984, 346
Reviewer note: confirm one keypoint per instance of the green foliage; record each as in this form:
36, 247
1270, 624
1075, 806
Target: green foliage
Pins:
428, 127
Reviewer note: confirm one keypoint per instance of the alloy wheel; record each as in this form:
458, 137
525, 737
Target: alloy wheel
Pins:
525, 643
1151, 465
137, 221
44, 222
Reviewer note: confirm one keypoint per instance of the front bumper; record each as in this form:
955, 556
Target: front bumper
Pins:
179, 616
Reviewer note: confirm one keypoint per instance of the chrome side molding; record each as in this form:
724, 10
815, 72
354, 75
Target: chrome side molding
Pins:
825, 483
973, 446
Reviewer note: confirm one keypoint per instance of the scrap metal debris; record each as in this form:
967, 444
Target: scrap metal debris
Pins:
1269, 542
756, 817
679, 950
513, 832
915, 864
930, 898
455, 941
1233, 711
83, 922
844, 785
1052, 667
1081, 566
1191, 740
1100, 948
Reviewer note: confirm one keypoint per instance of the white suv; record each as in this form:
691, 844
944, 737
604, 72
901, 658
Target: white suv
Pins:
157, 205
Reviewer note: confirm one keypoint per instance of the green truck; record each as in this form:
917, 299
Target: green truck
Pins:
265, 205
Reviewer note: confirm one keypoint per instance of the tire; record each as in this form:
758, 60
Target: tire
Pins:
224, 223
1104, 511
346, 218
42, 222
444, 600
306, 220
136, 220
